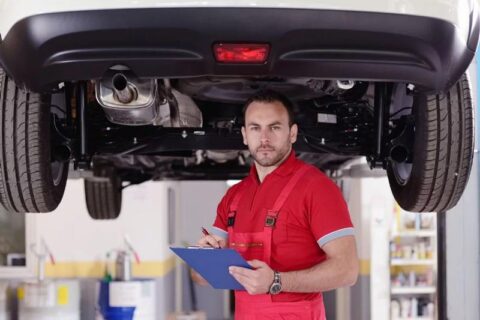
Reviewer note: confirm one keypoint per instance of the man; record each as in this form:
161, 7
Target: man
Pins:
287, 219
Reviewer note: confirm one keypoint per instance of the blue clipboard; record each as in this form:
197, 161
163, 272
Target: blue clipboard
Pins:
212, 264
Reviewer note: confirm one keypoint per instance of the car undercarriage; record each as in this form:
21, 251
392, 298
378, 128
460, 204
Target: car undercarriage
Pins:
159, 96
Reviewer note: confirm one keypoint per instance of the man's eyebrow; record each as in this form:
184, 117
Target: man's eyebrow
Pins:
275, 123
271, 124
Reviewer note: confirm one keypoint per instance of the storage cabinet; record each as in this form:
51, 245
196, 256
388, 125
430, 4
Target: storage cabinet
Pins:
413, 265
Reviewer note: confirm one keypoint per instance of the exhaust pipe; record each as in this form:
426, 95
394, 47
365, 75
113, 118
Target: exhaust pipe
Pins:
399, 153
124, 92
127, 99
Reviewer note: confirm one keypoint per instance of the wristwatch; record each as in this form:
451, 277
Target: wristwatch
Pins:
276, 286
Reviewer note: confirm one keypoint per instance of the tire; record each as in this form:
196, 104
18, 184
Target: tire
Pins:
442, 152
29, 181
104, 197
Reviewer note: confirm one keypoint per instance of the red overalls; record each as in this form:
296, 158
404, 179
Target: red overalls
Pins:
257, 245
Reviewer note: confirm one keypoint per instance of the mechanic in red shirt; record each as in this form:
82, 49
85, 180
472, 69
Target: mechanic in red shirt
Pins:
287, 219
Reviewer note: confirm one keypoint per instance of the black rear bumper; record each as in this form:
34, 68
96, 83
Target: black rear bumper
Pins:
42, 50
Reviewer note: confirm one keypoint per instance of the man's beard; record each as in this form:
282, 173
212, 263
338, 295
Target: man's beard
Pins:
275, 158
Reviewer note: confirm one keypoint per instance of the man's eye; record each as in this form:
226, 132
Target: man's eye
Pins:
254, 128
276, 128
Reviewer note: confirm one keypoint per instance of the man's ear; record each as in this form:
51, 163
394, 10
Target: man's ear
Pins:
244, 135
293, 133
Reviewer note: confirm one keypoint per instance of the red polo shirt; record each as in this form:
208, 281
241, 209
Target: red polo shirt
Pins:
314, 214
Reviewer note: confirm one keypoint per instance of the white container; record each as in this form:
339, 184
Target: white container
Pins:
144, 292
49, 300
124, 294
146, 307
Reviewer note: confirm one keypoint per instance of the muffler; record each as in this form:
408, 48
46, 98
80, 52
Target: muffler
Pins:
128, 100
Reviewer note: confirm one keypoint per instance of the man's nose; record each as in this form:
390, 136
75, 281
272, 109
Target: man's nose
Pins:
264, 135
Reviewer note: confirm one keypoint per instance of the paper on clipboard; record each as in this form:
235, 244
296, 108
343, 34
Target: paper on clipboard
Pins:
212, 264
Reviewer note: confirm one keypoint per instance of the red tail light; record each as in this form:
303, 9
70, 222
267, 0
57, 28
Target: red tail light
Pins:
241, 52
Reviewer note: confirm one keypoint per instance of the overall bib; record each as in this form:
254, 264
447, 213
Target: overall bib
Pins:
257, 245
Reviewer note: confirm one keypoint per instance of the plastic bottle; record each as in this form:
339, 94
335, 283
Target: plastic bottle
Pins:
414, 307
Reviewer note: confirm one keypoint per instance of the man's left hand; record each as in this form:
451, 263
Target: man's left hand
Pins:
256, 281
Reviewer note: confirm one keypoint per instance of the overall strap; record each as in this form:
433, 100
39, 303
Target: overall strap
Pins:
272, 214
288, 188
233, 208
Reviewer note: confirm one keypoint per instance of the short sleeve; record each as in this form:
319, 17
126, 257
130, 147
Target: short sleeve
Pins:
220, 224
328, 211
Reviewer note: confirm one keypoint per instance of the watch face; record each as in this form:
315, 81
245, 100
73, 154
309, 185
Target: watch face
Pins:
275, 288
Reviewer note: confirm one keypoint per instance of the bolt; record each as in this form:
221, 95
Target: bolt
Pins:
345, 84
410, 86
135, 140
184, 134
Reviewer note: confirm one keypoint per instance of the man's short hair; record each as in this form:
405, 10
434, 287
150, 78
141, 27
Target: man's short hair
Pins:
267, 96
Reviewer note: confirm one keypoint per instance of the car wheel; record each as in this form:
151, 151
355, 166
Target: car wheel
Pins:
442, 152
103, 195
30, 181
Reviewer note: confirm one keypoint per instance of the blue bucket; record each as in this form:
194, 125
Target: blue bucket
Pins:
112, 313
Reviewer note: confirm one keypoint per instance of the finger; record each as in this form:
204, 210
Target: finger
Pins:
203, 241
244, 280
251, 289
210, 241
256, 264
242, 271
223, 243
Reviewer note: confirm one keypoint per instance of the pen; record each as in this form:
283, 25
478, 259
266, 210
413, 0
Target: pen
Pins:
205, 232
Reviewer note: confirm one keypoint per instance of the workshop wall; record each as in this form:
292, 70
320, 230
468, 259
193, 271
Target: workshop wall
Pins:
75, 237
154, 215
80, 243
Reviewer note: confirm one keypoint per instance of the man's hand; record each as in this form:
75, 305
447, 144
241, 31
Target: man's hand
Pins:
212, 241
256, 281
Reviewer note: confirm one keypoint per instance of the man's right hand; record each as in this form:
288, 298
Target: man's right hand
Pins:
212, 241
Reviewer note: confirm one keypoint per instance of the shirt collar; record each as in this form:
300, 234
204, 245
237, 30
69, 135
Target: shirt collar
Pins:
284, 169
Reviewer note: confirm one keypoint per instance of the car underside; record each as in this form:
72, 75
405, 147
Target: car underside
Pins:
160, 96
204, 140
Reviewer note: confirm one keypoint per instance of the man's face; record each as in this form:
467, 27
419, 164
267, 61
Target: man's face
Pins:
267, 133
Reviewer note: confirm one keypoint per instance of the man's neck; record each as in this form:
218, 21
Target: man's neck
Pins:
262, 171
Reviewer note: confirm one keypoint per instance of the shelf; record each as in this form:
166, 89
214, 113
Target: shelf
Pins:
413, 290
414, 318
412, 262
412, 250
415, 233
